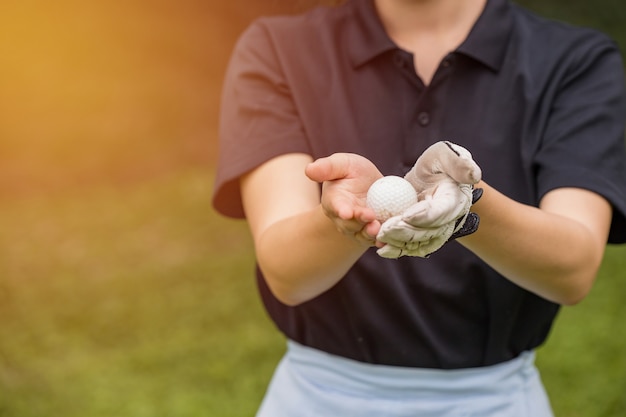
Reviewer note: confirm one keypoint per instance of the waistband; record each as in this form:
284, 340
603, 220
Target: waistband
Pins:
324, 369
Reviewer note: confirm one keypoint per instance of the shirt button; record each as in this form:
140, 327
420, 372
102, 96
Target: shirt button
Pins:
423, 118
398, 60
447, 61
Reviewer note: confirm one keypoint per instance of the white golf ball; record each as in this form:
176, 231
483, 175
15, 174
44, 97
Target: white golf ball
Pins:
389, 196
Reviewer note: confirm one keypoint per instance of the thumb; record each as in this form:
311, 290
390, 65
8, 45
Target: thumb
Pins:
333, 167
457, 162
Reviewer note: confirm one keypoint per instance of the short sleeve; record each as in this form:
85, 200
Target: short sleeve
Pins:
258, 118
583, 145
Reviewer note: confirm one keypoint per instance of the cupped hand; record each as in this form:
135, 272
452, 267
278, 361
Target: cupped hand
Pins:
443, 176
345, 179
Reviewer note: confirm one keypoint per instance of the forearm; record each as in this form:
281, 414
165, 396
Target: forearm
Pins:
554, 256
304, 255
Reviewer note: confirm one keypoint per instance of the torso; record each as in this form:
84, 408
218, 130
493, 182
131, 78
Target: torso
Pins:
352, 90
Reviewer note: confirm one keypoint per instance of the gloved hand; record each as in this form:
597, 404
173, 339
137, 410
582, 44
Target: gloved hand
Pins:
444, 176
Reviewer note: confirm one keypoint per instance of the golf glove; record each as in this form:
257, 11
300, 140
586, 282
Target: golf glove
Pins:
444, 177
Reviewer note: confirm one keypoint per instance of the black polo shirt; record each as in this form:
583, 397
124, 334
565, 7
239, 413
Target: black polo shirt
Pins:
539, 104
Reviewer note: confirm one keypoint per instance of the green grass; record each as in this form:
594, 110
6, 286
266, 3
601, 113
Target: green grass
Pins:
584, 360
130, 302
140, 301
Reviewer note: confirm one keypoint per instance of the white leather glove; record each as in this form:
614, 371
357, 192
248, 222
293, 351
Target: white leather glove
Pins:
443, 176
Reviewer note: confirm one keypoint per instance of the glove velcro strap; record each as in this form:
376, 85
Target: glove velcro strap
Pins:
476, 194
469, 222
472, 220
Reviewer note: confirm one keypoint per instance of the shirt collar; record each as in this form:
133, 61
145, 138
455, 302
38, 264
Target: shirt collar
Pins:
486, 42
366, 35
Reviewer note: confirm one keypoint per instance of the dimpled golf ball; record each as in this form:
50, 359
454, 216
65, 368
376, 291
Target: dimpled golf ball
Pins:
389, 196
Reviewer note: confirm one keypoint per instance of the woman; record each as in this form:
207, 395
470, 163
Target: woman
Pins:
341, 96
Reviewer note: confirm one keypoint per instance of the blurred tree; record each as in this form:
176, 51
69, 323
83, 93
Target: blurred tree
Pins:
605, 15
126, 89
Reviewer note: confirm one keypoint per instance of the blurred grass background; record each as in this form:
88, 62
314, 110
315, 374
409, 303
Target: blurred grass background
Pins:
121, 292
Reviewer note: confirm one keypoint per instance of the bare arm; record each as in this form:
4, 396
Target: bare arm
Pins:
554, 251
306, 242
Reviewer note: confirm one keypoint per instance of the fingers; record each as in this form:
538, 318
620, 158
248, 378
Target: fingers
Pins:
364, 233
365, 238
356, 222
457, 162
390, 252
399, 233
421, 249
403, 239
441, 205
447, 160
347, 207
372, 228
435, 212
346, 177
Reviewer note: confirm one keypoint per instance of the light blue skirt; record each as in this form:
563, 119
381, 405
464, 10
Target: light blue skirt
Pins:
312, 383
